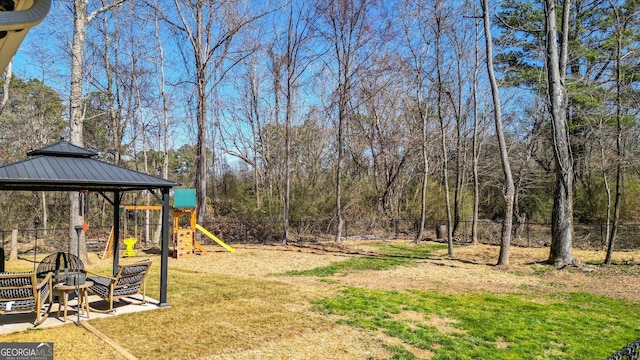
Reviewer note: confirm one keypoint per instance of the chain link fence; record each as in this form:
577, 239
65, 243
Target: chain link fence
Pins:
526, 234
586, 236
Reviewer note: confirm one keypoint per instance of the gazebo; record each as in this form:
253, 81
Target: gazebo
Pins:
66, 167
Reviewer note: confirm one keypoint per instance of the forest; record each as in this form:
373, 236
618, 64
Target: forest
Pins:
305, 110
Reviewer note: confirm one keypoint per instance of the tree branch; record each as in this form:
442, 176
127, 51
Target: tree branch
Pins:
105, 8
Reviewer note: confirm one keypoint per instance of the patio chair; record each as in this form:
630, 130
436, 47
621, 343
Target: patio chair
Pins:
128, 281
20, 292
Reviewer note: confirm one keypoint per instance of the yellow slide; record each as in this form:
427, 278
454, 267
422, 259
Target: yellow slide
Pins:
214, 238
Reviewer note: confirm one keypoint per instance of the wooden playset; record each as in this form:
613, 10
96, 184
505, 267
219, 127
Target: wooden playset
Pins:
185, 243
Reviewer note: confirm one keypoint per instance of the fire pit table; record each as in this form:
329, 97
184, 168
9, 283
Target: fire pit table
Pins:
63, 266
68, 276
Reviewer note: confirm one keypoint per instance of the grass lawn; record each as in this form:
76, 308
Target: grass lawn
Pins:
371, 300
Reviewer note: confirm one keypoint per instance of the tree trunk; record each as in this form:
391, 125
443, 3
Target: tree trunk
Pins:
201, 117
346, 21
339, 160
45, 214
560, 254
5, 87
147, 215
425, 173
619, 146
509, 189
164, 129
210, 35
461, 146
419, 52
255, 133
607, 188
474, 145
201, 154
294, 42
616, 209
443, 133
287, 152
76, 117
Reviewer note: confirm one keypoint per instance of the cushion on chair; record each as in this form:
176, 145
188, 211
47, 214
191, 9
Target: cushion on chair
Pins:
100, 286
126, 280
133, 270
22, 289
24, 292
99, 280
127, 290
16, 293
16, 281
18, 305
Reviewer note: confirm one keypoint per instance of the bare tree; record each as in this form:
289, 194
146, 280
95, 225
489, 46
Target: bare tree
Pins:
297, 34
246, 113
439, 24
419, 50
346, 35
163, 134
210, 27
475, 144
377, 136
509, 189
621, 22
118, 50
560, 254
81, 18
459, 40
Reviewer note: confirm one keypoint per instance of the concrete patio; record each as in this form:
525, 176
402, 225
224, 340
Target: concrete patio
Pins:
14, 322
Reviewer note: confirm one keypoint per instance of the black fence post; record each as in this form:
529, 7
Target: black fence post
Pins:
2, 254
346, 230
397, 229
528, 234
464, 230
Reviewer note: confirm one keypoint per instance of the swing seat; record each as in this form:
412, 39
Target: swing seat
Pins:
130, 251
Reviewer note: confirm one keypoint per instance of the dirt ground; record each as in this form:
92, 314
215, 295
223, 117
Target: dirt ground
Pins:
472, 268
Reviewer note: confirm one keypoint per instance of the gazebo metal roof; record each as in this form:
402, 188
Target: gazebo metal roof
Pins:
66, 167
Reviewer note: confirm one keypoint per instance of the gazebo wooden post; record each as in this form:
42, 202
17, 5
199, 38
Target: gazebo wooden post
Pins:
116, 230
164, 261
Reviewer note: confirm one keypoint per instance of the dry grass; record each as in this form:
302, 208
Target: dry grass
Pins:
69, 343
228, 306
473, 269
